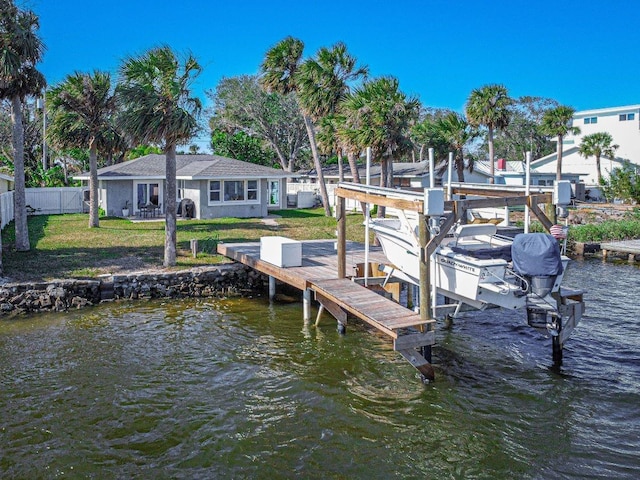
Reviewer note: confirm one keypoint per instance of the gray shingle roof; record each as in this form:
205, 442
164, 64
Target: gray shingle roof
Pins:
187, 167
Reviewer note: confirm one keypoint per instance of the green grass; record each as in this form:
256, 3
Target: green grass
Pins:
63, 246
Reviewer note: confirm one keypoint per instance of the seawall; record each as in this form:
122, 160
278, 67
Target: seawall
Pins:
62, 295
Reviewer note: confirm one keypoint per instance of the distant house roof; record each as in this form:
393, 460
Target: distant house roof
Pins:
604, 111
188, 167
400, 169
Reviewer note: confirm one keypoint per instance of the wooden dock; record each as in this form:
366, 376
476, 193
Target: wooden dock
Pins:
412, 335
630, 247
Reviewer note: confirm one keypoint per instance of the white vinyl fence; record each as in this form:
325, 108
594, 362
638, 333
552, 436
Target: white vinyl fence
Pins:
45, 201
6, 209
293, 190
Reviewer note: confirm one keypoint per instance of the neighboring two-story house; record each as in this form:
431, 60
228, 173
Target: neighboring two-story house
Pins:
622, 123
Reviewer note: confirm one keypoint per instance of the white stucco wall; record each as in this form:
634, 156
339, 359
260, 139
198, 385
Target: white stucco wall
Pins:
625, 133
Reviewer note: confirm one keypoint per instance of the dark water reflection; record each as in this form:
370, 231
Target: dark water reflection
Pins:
242, 389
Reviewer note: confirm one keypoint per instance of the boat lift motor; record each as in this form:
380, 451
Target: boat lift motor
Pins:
562, 197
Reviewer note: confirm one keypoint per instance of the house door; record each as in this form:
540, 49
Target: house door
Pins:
274, 193
148, 194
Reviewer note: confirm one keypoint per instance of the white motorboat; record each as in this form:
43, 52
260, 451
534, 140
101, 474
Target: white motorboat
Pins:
477, 267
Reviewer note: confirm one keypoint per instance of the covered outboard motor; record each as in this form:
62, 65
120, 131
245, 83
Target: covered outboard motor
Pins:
536, 256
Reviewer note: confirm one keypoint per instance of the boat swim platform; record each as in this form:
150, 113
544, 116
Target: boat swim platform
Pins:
346, 296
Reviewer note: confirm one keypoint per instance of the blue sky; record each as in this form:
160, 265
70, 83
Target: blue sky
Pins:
582, 53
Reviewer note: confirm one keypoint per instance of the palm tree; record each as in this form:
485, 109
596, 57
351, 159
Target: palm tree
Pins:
598, 144
320, 84
457, 132
279, 74
323, 84
489, 106
157, 107
379, 115
81, 108
557, 122
20, 50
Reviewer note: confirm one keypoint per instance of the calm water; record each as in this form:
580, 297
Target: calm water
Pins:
241, 389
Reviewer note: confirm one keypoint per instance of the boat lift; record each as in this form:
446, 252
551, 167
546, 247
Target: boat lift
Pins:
563, 317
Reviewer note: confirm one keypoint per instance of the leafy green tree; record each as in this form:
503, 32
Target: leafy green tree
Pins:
623, 183
242, 147
488, 106
32, 134
425, 134
558, 123
157, 107
80, 111
523, 133
457, 132
20, 50
379, 115
599, 144
142, 150
242, 105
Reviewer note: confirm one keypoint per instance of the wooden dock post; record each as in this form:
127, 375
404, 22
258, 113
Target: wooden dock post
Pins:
342, 237
425, 274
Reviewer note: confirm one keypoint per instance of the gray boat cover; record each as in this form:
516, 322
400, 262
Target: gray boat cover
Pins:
536, 255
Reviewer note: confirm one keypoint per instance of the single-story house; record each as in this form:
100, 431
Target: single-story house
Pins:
405, 174
513, 172
218, 186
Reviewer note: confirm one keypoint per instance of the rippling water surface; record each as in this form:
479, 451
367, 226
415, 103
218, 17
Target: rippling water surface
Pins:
242, 389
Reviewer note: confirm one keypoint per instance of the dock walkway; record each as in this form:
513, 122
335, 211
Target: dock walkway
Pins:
630, 247
342, 296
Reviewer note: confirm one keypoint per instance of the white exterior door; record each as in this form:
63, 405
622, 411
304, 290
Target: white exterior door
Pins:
274, 193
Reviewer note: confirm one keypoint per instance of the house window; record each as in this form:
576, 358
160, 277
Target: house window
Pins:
589, 120
180, 189
214, 191
627, 116
233, 191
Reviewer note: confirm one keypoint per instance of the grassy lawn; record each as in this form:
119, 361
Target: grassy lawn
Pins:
63, 246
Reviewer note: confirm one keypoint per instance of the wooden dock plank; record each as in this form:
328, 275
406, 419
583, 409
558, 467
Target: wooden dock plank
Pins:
369, 306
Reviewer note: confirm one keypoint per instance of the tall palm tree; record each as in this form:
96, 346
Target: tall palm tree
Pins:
379, 115
323, 83
557, 122
157, 107
279, 74
81, 109
320, 84
599, 144
20, 50
457, 132
488, 106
